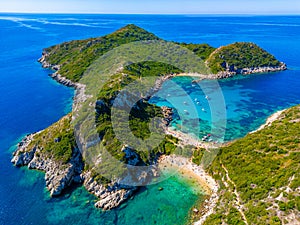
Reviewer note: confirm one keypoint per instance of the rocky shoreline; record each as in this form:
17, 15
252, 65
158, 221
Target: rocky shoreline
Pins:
229, 74
59, 176
269, 120
248, 71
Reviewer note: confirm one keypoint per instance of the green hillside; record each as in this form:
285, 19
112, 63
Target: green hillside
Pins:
75, 57
240, 55
257, 174
201, 50
263, 168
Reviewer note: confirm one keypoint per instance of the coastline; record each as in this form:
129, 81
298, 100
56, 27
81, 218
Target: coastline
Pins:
187, 139
229, 74
206, 182
187, 168
269, 121
183, 165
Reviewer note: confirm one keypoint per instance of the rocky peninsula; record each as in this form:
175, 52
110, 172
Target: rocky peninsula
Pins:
54, 149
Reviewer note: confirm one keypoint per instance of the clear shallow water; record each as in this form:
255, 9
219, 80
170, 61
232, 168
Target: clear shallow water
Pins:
31, 101
249, 101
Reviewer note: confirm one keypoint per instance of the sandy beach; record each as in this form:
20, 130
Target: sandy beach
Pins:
188, 139
190, 170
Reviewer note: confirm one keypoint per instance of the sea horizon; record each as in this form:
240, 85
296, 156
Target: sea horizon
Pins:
33, 101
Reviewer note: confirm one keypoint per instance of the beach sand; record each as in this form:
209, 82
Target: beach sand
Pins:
188, 169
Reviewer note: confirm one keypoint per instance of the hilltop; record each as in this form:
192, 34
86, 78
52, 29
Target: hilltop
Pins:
71, 59
54, 150
243, 58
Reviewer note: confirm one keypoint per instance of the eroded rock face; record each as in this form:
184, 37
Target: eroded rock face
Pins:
62, 80
23, 156
168, 115
110, 196
232, 71
58, 176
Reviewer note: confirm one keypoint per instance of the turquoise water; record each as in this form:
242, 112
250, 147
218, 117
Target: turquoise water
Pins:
248, 101
31, 101
150, 206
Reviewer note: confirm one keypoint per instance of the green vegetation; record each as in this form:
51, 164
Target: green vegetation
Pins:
197, 155
131, 73
201, 50
75, 57
57, 141
240, 55
140, 114
263, 166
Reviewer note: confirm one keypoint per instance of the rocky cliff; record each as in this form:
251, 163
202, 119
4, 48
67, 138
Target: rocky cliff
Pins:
54, 149
59, 175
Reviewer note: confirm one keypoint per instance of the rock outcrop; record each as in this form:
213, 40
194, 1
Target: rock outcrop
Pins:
22, 156
111, 195
231, 71
56, 76
168, 115
58, 176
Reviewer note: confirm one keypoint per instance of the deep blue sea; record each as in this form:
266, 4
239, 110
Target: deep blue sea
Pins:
31, 101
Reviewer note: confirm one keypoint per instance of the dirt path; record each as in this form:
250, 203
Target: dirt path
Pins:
238, 201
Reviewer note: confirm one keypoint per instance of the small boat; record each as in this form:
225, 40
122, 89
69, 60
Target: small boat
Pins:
196, 99
207, 98
185, 103
198, 103
203, 109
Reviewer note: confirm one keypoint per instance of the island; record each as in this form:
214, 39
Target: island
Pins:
260, 186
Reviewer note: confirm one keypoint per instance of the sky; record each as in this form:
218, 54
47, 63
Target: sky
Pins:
153, 6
